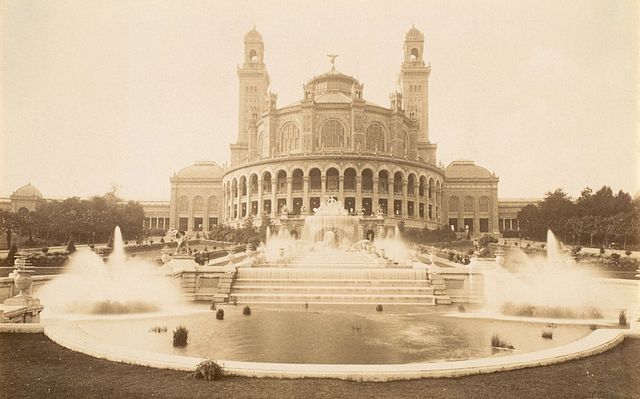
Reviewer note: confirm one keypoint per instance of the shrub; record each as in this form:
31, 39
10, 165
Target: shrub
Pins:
71, 248
601, 250
593, 327
576, 249
379, 308
484, 253
126, 243
622, 318
208, 370
180, 336
45, 250
220, 314
547, 333
615, 256
627, 252
246, 311
497, 342
162, 240
461, 309
11, 256
158, 329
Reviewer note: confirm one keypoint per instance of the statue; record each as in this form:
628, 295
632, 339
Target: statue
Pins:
283, 210
179, 236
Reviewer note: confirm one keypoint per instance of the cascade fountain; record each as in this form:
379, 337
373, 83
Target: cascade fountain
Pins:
331, 225
553, 283
121, 285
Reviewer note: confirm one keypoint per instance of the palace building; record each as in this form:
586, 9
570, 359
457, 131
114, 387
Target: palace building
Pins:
378, 161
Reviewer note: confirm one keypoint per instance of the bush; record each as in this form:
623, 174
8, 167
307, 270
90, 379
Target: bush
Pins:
575, 250
208, 370
627, 252
45, 250
497, 342
162, 240
379, 308
246, 311
547, 334
601, 250
220, 314
71, 248
180, 336
461, 309
11, 256
622, 318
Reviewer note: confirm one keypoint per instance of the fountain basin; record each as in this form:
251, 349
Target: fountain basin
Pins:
80, 336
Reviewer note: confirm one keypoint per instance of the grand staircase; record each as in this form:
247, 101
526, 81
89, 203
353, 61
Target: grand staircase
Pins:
324, 277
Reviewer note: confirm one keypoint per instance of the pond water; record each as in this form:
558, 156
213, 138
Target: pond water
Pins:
330, 335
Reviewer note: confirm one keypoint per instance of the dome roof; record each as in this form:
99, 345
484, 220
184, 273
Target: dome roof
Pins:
333, 82
253, 36
27, 190
414, 34
466, 170
201, 170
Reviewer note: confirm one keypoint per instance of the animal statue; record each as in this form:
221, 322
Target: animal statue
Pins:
179, 236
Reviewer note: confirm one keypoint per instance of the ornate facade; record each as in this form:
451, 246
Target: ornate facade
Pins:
378, 161
334, 143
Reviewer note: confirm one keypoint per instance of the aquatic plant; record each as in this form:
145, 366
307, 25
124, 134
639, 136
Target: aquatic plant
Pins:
180, 336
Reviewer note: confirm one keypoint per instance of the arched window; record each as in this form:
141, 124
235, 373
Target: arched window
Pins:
253, 56
212, 203
415, 55
198, 204
289, 138
484, 204
374, 138
454, 204
468, 204
332, 135
183, 204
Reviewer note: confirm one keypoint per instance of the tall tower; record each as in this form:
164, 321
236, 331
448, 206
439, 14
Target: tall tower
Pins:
253, 82
414, 82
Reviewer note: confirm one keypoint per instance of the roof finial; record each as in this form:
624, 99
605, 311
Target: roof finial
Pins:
333, 57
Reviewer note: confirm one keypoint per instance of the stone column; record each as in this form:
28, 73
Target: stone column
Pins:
376, 198
416, 202
405, 200
341, 189
260, 197
248, 200
391, 196
238, 201
305, 196
358, 192
323, 190
289, 193
274, 202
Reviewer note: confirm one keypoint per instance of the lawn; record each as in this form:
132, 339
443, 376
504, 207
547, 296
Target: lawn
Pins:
33, 367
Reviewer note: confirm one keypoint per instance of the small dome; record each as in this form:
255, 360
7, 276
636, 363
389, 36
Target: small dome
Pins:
201, 170
253, 36
414, 34
27, 190
466, 170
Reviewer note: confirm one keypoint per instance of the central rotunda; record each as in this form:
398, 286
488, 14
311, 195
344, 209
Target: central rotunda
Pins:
377, 161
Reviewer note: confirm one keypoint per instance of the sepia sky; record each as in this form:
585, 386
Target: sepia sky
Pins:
543, 93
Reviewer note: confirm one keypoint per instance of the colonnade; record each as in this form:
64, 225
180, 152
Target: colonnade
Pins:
397, 192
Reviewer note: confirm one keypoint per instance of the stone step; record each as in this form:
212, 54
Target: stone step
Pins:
247, 298
334, 290
332, 273
331, 282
